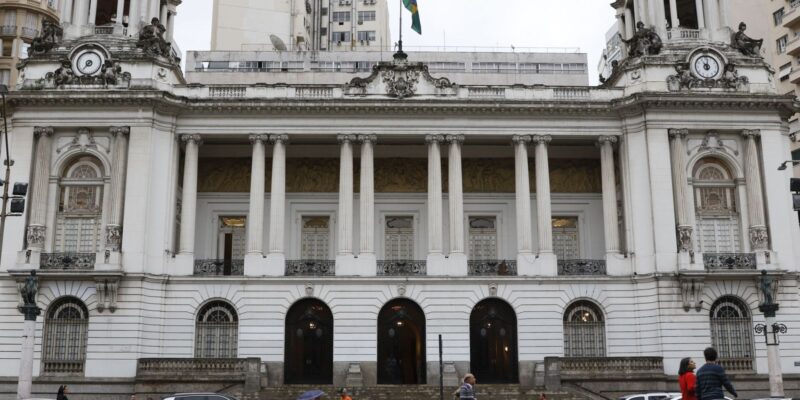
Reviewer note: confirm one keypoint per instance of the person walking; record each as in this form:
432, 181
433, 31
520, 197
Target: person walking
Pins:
467, 390
344, 395
686, 379
62, 393
711, 378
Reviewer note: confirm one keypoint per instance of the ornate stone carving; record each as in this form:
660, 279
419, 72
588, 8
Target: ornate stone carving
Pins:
685, 241
400, 82
746, 45
39, 131
434, 139
111, 75
120, 130
67, 261
607, 139
401, 267
106, 289
517, 139
151, 40
691, 293
401, 289
258, 138
309, 289
678, 133
367, 138
49, 38
278, 139
768, 289
219, 175
759, 238
113, 237
192, 138
645, 42
346, 138
310, 267
751, 133
729, 261
684, 79
459, 139
400, 78
312, 175
36, 235
581, 267
401, 175
492, 268
541, 139
492, 289
216, 267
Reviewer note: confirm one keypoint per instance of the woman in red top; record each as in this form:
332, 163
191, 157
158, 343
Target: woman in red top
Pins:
687, 379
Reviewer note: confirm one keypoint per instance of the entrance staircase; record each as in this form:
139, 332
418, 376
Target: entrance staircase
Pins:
416, 392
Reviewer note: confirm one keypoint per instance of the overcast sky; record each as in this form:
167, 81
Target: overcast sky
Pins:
493, 23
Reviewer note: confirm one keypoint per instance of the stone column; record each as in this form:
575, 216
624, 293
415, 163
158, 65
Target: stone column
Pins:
66, 11
133, 17
712, 15
171, 26
41, 176
659, 13
189, 199
629, 23
120, 12
455, 195
523, 192
724, 14
673, 14
163, 15
435, 242
367, 197
255, 218
610, 218
543, 207
345, 225
679, 181
81, 12
276, 259
92, 12
701, 24
759, 237
118, 169
640, 12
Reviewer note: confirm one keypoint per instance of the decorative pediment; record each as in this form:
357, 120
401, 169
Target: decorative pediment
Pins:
400, 79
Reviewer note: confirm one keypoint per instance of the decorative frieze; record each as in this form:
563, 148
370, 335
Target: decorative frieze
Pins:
36, 236
401, 267
310, 267
67, 261
492, 267
581, 267
216, 267
113, 237
729, 261
685, 239
759, 238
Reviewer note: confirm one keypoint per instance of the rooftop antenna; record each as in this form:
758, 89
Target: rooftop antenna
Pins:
277, 43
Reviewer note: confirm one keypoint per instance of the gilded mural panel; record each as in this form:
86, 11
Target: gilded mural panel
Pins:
313, 175
573, 176
224, 175
401, 175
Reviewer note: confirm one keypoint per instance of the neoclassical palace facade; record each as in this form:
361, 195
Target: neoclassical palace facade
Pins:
332, 224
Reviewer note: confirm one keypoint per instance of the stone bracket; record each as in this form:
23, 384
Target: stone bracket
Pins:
691, 292
107, 289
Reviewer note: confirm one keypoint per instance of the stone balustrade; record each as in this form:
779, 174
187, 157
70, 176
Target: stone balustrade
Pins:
401, 267
492, 268
68, 261
729, 261
581, 267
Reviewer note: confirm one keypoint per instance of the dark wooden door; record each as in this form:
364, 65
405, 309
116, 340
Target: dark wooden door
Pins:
308, 355
401, 343
493, 342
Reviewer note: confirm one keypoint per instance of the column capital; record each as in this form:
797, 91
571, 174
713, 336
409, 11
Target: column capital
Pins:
195, 138
610, 140
120, 130
258, 137
457, 139
524, 139
43, 131
346, 138
372, 138
751, 133
677, 133
283, 139
541, 139
434, 139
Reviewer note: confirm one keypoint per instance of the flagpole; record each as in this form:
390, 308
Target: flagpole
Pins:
400, 42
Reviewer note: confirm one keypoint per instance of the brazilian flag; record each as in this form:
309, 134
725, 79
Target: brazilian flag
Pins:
411, 5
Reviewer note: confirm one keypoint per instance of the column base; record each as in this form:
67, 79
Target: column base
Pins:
346, 265
254, 264
454, 264
618, 265
29, 259
435, 264
526, 264
183, 265
367, 264
546, 264
111, 262
689, 262
276, 265
764, 259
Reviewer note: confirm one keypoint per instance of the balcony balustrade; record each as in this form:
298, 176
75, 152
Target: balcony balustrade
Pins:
729, 261
492, 268
683, 34
67, 261
168, 368
581, 267
104, 30
310, 267
62, 367
611, 365
737, 364
401, 267
8, 30
218, 268
29, 33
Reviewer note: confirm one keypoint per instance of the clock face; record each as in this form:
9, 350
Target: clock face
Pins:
706, 66
88, 63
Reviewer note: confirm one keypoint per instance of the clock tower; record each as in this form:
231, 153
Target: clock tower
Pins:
685, 46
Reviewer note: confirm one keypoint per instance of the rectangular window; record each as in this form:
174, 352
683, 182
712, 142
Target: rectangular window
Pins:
445, 66
232, 238
5, 76
777, 17
10, 18
796, 154
494, 67
77, 235
566, 238
31, 21
366, 16
340, 37
366, 36
483, 238
341, 16
784, 72
781, 44
398, 238
315, 237
719, 235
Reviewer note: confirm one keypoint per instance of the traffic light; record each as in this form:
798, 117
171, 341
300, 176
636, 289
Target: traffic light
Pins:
17, 205
794, 186
20, 189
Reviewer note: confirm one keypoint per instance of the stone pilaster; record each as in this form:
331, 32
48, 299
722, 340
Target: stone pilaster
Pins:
523, 192
255, 218
189, 194
118, 175
543, 200
35, 233
684, 232
455, 194
435, 242
759, 238
610, 218
367, 196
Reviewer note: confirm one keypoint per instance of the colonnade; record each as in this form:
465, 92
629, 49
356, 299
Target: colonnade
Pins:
140, 12
711, 14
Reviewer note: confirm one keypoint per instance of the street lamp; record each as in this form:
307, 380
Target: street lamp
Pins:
20, 189
771, 330
784, 164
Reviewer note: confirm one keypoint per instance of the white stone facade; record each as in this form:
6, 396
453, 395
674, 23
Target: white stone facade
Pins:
623, 197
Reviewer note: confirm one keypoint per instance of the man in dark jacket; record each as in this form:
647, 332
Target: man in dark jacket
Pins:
711, 378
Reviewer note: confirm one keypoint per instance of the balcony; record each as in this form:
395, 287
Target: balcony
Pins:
29, 33
67, 261
492, 268
793, 47
794, 76
62, 367
581, 267
791, 17
737, 364
8, 30
212, 369
683, 34
401, 267
729, 261
218, 267
310, 267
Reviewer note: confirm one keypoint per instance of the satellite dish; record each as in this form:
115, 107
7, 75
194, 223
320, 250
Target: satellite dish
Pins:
277, 43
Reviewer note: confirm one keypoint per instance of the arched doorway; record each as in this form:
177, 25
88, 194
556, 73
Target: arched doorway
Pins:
493, 342
308, 356
401, 343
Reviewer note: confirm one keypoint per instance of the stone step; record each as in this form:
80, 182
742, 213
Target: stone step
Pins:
415, 392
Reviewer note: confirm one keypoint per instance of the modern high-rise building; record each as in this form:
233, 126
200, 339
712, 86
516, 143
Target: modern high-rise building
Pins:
20, 22
266, 25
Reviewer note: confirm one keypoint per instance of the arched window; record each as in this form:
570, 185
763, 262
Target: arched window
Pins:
217, 331
65, 330
718, 228
584, 330
732, 334
80, 207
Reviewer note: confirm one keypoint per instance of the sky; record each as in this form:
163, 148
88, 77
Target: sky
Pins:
465, 24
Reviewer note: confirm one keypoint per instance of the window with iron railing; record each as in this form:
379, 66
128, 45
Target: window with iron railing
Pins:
732, 333
777, 16
584, 330
483, 238
79, 215
781, 44
398, 238
566, 238
718, 229
217, 331
66, 329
